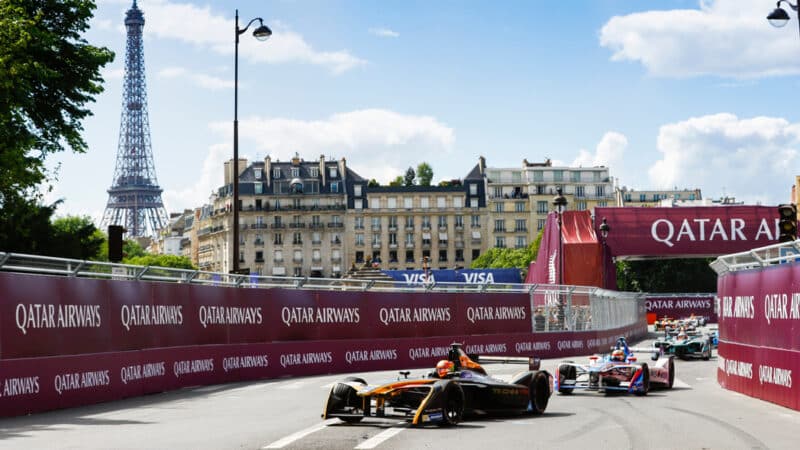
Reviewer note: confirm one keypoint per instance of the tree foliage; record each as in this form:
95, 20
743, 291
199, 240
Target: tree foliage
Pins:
397, 181
506, 258
48, 73
75, 237
667, 275
373, 183
424, 174
408, 179
178, 262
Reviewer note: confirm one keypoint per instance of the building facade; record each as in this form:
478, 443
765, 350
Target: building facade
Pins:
652, 198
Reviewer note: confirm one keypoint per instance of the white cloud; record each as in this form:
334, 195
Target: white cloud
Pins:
727, 38
202, 27
752, 159
377, 144
198, 79
109, 73
384, 32
609, 152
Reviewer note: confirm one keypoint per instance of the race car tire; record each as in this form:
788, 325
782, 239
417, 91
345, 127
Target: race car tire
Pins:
344, 396
539, 392
566, 373
452, 404
671, 373
645, 381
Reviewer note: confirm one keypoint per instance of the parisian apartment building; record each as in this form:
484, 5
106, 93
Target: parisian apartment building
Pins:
317, 218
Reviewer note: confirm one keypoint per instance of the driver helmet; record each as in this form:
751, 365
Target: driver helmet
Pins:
618, 355
681, 336
444, 367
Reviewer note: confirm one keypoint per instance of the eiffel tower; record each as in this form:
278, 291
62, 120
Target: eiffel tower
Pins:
134, 199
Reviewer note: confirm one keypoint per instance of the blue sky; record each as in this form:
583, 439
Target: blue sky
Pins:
672, 93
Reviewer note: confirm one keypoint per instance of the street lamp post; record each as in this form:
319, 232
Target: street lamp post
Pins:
560, 204
604, 229
778, 18
262, 33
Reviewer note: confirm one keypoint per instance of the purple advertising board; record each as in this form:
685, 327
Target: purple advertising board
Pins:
679, 307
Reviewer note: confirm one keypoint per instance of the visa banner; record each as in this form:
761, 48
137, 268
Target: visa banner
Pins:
470, 276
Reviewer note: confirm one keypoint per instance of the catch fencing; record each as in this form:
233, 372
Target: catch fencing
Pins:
76, 332
759, 322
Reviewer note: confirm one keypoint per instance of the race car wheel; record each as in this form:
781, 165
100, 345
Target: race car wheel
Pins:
671, 373
539, 392
343, 398
566, 373
645, 381
452, 404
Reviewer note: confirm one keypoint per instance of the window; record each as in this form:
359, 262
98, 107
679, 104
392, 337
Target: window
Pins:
580, 205
602, 204
278, 239
600, 190
498, 191
259, 221
333, 172
473, 203
576, 177
376, 239
541, 207
500, 242
391, 202
259, 239
358, 203
409, 240
520, 225
459, 221
521, 242
458, 202
409, 222
475, 221
392, 256
516, 177
580, 191
295, 172
392, 222
278, 256
316, 256
335, 186
337, 220
473, 189
475, 253
627, 197
359, 238
424, 202
558, 175
298, 255
426, 222
359, 225
519, 206
276, 172
409, 256
297, 238
538, 175
259, 256
298, 271
336, 255
498, 207
376, 223
359, 257
642, 197
393, 239
442, 255
540, 224
500, 225
596, 176
375, 203
257, 188
408, 203
313, 172
357, 190
442, 221
257, 174
441, 202
316, 237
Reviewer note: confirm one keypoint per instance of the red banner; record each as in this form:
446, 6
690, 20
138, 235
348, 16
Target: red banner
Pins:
709, 230
679, 307
30, 385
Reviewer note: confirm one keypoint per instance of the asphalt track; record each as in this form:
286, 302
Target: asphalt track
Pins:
695, 414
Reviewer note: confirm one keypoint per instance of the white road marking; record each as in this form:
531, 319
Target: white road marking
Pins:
376, 440
680, 384
300, 434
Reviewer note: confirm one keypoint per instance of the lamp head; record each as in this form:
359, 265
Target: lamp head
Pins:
262, 33
778, 18
604, 228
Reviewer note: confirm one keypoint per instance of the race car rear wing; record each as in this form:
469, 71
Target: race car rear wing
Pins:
533, 363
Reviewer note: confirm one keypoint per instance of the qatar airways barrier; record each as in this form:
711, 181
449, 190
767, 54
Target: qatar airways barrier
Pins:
759, 326
73, 341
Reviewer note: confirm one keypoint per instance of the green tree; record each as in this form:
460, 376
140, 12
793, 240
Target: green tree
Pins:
667, 275
408, 180
25, 224
373, 183
506, 258
424, 174
48, 73
174, 261
397, 181
75, 237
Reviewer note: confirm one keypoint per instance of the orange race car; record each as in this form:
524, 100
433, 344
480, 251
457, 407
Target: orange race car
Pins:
458, 387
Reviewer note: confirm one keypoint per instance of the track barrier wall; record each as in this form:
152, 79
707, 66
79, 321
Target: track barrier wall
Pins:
759, 323
67, 341
679, 306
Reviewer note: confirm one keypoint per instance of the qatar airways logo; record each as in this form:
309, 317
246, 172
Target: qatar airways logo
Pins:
482, 313
40, 315
709, 230
781, 306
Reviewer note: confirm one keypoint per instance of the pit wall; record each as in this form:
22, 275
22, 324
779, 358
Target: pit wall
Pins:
67, 342
759, 327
